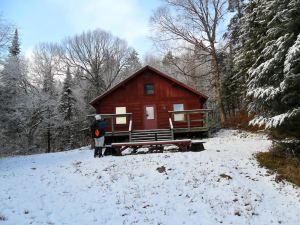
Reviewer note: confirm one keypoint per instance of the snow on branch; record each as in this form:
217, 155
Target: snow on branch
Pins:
266, 93
275, 121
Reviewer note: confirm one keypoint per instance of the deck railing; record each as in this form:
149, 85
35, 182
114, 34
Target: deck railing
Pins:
192, 120
112, 118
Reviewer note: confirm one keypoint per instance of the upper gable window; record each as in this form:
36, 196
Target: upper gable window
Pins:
149, 89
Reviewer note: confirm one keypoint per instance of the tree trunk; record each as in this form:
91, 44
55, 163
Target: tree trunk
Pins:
217, 77
48, 139
48, 133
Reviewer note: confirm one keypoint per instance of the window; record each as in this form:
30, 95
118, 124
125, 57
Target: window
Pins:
149, 89
179, 116
121, 119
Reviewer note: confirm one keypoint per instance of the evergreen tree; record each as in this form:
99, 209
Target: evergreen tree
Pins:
133, 61
68, 112
233, 86
132, 65
50, 101
13, 97
14, 49
268, 58
67, 100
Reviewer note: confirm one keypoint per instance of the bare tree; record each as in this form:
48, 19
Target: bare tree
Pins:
6, 33
46, 64
189, 68
194, 22
100, 56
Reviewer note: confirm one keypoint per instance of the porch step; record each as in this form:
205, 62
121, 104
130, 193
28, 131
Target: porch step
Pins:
151, 135
152, 131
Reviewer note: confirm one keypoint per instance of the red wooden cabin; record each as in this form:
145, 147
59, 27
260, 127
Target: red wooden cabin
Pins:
152, 100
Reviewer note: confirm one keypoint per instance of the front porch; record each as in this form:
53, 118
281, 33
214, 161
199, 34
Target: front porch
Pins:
179, 122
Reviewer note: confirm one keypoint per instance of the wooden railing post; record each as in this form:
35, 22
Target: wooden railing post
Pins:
171, 126
206, 119
189, 121
112, 125
130, 127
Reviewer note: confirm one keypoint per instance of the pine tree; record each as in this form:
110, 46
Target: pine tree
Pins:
12, 75
290, 87
133, 61
233, 86
14, 49
132, 64
68, 112
67, 100
13, 97
269, 60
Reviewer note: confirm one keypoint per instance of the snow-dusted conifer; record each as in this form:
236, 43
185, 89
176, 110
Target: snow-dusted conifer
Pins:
269, 58
233, 85
14, 49
67, 100
13, 96
133, 61
67, 110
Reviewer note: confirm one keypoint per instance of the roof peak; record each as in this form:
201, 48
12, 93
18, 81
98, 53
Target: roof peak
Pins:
138, 72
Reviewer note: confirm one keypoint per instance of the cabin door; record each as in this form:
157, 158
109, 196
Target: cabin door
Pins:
150, 117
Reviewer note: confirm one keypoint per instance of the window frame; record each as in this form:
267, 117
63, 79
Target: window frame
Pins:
119, 119
145, 90
180, 117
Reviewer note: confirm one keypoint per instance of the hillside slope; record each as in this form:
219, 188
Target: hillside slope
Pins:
222, 184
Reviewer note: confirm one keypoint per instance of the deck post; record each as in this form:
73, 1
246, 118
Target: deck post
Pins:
171, 125
130, 127
189, 121
206, 120
112, 125
207, 124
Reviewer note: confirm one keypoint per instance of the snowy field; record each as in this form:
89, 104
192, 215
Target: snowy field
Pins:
221, 185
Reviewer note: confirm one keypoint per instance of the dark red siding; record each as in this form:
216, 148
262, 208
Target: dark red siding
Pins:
131, 95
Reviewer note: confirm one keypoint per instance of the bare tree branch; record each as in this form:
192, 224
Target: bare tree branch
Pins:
194, 22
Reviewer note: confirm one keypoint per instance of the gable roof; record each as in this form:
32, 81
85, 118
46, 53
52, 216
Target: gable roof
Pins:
93, 102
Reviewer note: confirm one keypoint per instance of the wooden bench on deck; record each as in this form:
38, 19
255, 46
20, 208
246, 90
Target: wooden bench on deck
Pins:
183, 145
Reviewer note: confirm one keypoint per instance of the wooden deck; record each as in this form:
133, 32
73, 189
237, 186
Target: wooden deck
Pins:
196, 120
175, 131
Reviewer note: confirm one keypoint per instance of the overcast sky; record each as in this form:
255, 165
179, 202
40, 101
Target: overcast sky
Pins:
53, 20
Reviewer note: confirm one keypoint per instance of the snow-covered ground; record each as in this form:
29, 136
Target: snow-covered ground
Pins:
222, 184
